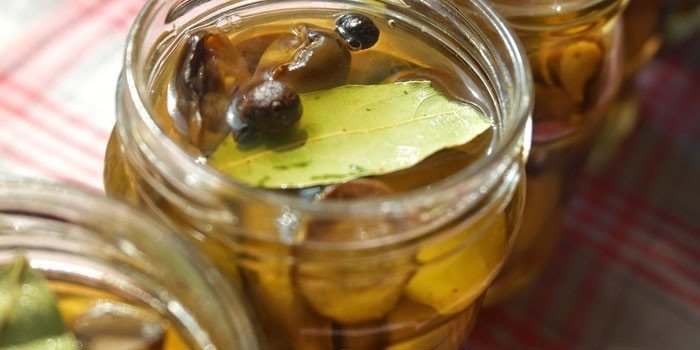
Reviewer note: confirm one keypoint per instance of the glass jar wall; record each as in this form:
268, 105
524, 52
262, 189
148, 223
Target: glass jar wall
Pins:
402, 270
120, 279
574, 49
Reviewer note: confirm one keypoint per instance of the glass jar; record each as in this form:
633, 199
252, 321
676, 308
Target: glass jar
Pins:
406, 270
117, 273
574, 49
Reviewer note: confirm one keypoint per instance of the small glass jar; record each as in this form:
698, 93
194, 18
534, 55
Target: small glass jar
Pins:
405, 271
117, 273
574, 49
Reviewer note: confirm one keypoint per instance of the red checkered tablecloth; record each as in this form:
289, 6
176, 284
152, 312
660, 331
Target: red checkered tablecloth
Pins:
626, 274
59, 62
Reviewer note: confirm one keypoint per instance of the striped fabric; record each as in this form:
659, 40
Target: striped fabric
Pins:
627, 271
58, 71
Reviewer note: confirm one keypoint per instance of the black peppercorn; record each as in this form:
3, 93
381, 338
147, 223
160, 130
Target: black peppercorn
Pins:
358, 30
269, 106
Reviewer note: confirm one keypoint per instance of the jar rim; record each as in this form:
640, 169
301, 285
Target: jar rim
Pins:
78, 208
586, 10
519, 133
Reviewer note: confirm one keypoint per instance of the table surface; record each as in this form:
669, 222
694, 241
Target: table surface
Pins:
626, 273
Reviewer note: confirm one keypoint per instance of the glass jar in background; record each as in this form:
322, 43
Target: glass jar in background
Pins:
121, 279
648, 26
574, 49
399, 271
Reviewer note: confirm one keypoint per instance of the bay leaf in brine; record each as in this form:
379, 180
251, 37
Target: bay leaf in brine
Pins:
353, 131
29, 316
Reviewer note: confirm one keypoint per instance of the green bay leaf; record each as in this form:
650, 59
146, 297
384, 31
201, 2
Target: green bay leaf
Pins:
353, 131
29, 315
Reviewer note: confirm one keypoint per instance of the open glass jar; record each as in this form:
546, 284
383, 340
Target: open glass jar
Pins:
574, 49
328, 267
121, 280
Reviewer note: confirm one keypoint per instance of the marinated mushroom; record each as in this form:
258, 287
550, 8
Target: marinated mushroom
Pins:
346, 293
361, 188
112, 325
349, 295
580, 65
308, 59
574, 65
454, 270
209, 71
374, 67
338, 230
271, 289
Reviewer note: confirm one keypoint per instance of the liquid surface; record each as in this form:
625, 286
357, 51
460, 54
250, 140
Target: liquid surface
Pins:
307, 55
